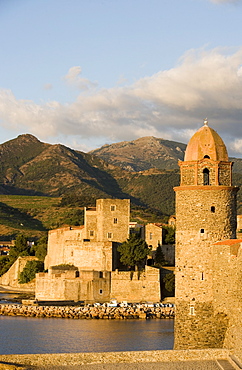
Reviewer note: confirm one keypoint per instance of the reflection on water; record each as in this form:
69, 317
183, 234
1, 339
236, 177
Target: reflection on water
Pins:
8, 298
19, 335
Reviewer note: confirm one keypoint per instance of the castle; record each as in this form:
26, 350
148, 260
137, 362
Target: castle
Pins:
208, 255
83, 263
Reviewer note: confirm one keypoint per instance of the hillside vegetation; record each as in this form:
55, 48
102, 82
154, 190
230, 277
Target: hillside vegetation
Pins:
44, 186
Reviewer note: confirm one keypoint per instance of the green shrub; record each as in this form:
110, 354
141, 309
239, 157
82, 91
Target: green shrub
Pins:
29, 271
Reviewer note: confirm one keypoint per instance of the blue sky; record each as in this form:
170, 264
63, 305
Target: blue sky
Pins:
86, 73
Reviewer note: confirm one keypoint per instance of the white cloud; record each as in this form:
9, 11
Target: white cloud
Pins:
73, 77
48, 87
225, 1
170, 104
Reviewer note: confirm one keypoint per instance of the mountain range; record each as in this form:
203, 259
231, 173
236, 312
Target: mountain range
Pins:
144, 170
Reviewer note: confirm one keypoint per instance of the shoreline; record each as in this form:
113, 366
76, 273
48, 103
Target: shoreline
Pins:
88, 312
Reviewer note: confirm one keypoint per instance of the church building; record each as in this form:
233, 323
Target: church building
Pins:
208, 255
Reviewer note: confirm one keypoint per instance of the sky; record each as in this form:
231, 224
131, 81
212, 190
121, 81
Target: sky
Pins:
85, 73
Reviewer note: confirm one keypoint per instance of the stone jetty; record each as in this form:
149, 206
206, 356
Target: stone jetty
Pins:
88, 312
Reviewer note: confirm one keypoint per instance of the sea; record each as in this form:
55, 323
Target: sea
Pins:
29, 335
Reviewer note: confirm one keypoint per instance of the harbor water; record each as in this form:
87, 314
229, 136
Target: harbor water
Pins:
26, 335
23, 335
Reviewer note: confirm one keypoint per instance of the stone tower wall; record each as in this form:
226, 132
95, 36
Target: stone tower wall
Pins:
113, 219
228, 291
204, 214
57, 241
219, 172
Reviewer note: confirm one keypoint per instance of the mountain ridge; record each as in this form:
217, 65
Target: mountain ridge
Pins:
31, 167
158, 153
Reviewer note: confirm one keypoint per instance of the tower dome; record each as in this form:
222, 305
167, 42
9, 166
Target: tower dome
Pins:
206, 143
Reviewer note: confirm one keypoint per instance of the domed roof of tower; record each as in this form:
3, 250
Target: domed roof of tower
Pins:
206, 143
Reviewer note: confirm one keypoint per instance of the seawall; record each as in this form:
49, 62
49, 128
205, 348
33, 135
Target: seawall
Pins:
88, 312
137, 357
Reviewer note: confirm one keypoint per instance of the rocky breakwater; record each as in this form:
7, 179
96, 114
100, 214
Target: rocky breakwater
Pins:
88, 312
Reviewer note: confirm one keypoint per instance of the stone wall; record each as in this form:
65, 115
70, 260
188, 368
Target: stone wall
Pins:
197, 325
10, 278
177, 359
228, 290
88, 286
113, 219
57, 241
204, 215
65, 247
153, 235
192, 172
99, 286
136, 286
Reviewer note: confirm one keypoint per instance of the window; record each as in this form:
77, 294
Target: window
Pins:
202, 277
213, 209
100, 274
113, 208
192, 310
206, 176
77, 274
91, 233
202, 231
206, 156
100, 291
115, 220
151, 236
110, 235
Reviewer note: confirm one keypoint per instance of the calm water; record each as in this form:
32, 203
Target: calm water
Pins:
20, 335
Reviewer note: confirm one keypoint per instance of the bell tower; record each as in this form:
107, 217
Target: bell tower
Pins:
205, 214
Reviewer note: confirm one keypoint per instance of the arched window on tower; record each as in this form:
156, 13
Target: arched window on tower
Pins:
206, 176
206, 156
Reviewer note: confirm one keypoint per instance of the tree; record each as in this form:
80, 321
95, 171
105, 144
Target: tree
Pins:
159, 257
134, 252
29, 271
20, 248
169, 281
4, 264
40, 249
170, 234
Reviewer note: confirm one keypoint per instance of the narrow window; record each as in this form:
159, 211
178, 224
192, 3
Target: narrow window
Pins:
213, 209
91, 233
202, 231
151, 236
77, 274
192, 310
113, 208
100, 291
109, 235
71, 253
100, 274
206, 176
202, 277
115, 220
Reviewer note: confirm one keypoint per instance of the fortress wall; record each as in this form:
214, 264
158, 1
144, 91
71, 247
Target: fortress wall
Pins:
11, 276
144, 286
88, 255
89, 286
57, 242
228, 292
